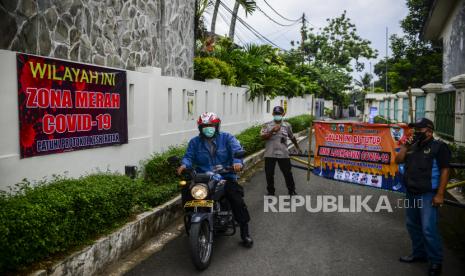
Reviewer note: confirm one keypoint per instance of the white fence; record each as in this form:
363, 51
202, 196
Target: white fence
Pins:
157, 118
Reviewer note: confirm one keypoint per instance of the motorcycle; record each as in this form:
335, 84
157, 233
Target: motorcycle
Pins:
207, 213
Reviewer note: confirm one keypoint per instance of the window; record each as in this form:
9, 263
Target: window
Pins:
268, 106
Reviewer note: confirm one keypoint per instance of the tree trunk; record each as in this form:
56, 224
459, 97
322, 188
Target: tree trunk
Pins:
215, 14
232, 26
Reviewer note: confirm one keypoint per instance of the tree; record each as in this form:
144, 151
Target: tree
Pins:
249, 7
337, 44
414, 62
214, 15
199, 25
326, 57
364, 82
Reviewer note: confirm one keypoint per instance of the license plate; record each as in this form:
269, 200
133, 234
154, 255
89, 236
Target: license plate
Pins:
199, 203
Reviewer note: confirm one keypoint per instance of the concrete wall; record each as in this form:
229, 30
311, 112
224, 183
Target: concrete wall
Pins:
453, 35
117, 33
157, 119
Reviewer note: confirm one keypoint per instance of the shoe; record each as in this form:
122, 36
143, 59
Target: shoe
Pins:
412, 259
434, 269
245, 236
293, 193
247, 242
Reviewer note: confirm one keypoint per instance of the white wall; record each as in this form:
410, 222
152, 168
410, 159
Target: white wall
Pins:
149, 127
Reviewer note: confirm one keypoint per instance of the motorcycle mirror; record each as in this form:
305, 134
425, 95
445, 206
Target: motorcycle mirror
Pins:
239, 154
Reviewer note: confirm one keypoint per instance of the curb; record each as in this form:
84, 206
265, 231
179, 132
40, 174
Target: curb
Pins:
112, 248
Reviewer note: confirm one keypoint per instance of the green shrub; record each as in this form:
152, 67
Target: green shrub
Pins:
300, 123
250, 140
381, 120
59, 215
213, 68
158, 170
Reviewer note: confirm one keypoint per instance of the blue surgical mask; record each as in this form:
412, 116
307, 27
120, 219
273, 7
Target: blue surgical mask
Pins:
278, 118
209, 131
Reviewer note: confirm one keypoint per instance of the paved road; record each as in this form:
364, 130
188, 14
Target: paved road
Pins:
304, 243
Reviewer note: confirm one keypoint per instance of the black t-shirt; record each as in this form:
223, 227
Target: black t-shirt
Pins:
423, 166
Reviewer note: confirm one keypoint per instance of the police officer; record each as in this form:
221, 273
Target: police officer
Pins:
276, 133
426, 176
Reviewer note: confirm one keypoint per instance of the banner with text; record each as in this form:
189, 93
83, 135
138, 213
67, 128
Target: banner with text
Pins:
360, 153
66, 106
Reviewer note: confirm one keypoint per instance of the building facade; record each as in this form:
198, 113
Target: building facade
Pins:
117, 33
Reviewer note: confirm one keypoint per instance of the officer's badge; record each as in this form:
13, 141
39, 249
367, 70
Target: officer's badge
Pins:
341, 127
333, 127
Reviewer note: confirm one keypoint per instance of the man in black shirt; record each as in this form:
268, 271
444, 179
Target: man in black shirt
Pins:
426, 176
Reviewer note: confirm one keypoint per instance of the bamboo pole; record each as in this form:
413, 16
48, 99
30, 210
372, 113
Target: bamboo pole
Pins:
310, 136
456, 184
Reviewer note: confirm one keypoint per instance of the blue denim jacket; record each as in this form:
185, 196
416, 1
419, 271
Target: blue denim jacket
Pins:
199, 157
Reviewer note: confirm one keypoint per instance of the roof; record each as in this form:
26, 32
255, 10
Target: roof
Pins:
439, 13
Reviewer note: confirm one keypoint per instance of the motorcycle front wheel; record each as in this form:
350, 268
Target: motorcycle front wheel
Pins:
200, 244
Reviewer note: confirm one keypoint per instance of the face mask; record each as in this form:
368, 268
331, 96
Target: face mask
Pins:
419, 136
278, 118
208, 131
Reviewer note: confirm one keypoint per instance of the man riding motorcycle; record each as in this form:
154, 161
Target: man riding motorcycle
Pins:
213, 148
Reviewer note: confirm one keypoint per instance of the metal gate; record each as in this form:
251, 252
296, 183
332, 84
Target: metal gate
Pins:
445, 114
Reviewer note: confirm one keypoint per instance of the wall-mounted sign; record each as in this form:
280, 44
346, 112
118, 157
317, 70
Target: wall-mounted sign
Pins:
66, 106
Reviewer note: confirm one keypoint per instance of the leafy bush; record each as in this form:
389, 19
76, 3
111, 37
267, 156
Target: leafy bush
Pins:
213, 68
381, 120
56, 216
158, 170
300, 123
250, 140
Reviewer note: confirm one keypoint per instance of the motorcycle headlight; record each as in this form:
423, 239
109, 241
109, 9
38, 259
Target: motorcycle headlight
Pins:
199, 191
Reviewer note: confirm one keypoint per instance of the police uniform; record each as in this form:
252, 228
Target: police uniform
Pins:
276, 151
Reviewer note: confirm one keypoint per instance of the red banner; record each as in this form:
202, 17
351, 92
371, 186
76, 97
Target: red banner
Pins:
66, 106
359, 153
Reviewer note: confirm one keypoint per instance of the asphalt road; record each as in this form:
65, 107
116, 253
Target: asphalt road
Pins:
304, 243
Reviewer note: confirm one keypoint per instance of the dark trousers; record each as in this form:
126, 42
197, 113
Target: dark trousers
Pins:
285, 167
235, 195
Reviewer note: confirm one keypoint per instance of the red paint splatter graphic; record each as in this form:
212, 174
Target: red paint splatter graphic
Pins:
28, 135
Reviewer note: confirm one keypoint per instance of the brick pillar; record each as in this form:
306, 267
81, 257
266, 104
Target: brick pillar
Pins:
459, 83
431, 89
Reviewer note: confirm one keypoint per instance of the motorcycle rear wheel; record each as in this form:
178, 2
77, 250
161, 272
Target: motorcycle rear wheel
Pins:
200, 244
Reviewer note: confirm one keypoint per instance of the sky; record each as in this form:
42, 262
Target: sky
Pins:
371, 18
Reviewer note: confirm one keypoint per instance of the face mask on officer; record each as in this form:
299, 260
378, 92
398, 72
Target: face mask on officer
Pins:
209, 131
420, 136
278, 118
